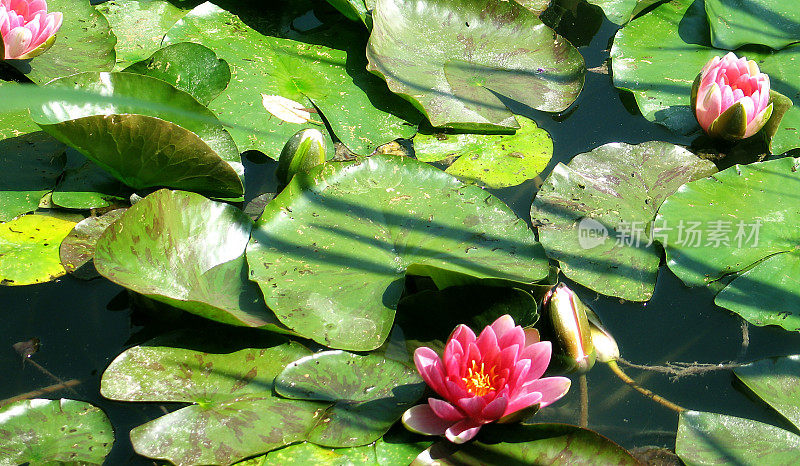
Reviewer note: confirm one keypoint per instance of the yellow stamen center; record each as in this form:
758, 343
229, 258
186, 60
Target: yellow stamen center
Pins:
478, 381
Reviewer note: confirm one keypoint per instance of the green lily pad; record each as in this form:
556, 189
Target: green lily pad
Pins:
144, 146
594, 214
77, 249
139, 26
30, 165
234, 414
53, 431
354, 102
15, 122
369, 394
331, 251
29, 248
452, 58
530, 444
740, 221
644, 58
84, 43
622, 11
735, 23
355, 10
495, 161
85, 185
776, 382
190, 67
184, 250
709, 438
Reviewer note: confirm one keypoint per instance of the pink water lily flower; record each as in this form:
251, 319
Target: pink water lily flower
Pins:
731, 97
483, 379
27, 28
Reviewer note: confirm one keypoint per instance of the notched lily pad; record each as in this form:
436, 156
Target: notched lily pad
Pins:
145, 145
775, 381
452, 58
187, 251
53, 431
29, 249
595, 214
766, 22
331, 251
741, 221
369, 393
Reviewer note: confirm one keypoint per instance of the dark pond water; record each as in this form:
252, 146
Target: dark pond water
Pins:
84, 325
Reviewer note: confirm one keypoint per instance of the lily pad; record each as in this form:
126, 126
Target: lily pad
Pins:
709, 438
530, 444
495, 161
190, 67
85, 185
234, 414
308, 453
30, 165
53, 431
139, 26
644, 58
369, 393
355, 10
453, 58
145, 146
354, 103
331, 251
184, 250
622, 11
740, 221
776, 382
84, 43
29, 249
77, 249
594, 214
735, 23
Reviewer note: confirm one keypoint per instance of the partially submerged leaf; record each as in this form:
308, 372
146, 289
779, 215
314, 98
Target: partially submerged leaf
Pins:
84, 185
53, 431
775, 381
29, 249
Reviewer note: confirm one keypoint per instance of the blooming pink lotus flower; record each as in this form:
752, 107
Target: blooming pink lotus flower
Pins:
731, 97
483, 379
27, 29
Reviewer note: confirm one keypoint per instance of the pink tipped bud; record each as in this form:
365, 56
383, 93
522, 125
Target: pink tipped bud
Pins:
731, 97
27, 28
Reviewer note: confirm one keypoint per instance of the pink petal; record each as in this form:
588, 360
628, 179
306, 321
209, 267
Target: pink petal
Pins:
727, 97
514, 336
551, 388
758, 122
464, 335
522, 402
17, 42
445, 410
508, 358
487, 344
423, 420
502, 325
749, 108
455, 391
472, 405
709, 106
518, 375
494, 410
531, 336
539, 354
430, 368
462, 431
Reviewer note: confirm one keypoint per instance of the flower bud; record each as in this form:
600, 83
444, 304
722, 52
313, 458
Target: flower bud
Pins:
604, 344
731, 97
304, 151
27, 29
570, 322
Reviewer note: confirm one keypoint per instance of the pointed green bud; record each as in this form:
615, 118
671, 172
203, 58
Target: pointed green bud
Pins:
731, 124
304, 151
570, 322
604, 344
